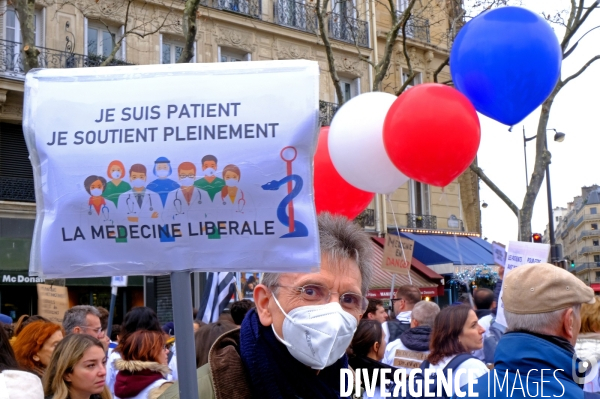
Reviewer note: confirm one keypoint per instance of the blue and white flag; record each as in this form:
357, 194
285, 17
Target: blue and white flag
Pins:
220, 287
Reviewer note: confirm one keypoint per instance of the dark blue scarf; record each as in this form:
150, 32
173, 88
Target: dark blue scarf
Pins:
275, 373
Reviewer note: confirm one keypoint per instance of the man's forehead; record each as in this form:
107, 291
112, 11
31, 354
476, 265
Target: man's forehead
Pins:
92, 320
347, 269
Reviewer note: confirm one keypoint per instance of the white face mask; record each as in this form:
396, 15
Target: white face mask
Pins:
231, 182
186, 181
137, 183
96, 192
116, 175
317, 335
162, 173
209, 172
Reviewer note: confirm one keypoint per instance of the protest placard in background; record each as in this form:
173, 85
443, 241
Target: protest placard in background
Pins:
397, 254
499, 252
159, 168
520, 253
53, 302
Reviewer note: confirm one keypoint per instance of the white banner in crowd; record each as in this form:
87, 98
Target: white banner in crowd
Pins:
158, 168
520, 253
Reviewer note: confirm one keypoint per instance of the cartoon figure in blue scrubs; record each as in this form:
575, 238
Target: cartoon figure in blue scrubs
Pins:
163, 185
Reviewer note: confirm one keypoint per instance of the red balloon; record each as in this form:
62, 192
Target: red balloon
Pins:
333, 194
432, 133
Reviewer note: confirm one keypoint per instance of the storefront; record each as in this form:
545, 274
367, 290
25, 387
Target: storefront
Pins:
18, 291
430, 283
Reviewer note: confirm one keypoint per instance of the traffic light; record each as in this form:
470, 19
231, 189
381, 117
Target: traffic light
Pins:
536, 237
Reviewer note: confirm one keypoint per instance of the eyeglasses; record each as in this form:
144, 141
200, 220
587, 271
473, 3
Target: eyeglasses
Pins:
396, 299
318, 294
99, 331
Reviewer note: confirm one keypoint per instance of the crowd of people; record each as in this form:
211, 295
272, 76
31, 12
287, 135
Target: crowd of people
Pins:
301, 330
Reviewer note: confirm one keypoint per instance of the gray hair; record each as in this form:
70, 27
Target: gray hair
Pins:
541, 323
75, 317
340, 240
424, 312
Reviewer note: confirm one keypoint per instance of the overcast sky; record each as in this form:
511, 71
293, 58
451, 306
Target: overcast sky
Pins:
575, 161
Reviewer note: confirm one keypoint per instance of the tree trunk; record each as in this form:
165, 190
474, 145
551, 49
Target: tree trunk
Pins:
190, 29
112, 54
321, 8
26, 13
542, 159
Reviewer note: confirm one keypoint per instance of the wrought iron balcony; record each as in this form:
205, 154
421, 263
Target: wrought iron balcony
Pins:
348, 29
326, 112
366, 218
589, 249
416, 28
421, 221
251, 8
296, 15
589, 233
11, 59
585, 266
16, 189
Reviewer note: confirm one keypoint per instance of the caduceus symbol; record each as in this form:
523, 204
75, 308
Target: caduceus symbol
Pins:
296, 228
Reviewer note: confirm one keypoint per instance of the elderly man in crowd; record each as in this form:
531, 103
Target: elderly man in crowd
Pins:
293, 344
83, 319
541, 304
407, 297
409, 351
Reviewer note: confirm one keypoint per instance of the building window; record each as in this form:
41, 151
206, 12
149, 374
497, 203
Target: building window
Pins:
596, 258
418, 79
595, 243
419, 198
13, 28
594, 226
593, 211
101, 40
350, 88
229, 55
402, 5
171, 52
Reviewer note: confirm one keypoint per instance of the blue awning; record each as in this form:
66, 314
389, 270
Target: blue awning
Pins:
435, 249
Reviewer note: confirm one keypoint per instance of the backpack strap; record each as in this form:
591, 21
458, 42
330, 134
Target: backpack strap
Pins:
457, 361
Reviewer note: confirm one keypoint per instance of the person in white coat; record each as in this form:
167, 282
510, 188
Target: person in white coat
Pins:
185, 203
588, 344
97, 211
139, 205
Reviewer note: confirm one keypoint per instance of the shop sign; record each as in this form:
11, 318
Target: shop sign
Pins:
20, 279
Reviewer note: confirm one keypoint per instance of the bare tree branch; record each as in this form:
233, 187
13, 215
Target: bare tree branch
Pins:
479, 172
440, 68
321, 8
581, 70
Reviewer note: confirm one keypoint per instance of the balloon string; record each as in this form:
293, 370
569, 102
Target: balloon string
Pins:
387, 196
444, 197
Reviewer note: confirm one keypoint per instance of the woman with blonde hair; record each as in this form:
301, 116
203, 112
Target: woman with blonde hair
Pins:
35, 344
77, 370
588, 343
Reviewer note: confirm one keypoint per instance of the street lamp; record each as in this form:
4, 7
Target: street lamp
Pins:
559, 138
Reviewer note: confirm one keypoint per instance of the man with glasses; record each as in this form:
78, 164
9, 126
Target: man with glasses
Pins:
294, 343
407, 297
83, 319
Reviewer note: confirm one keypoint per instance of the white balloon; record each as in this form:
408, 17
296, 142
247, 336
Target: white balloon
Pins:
356, 144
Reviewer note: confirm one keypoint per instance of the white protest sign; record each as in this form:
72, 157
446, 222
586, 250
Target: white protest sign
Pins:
499, 254
118, 281
159, 168
520, 253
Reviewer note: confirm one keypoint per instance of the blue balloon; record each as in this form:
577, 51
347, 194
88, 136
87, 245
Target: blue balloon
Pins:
507, 62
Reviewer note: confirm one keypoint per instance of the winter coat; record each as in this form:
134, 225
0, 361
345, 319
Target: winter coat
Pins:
140, 380
528, 360
20, 385
588, 348
413, 346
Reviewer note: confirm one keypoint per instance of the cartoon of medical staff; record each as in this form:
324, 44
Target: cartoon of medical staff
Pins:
187, 198
98, 209
116, 186
231, 195
210, 182
139, 203
163, 185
